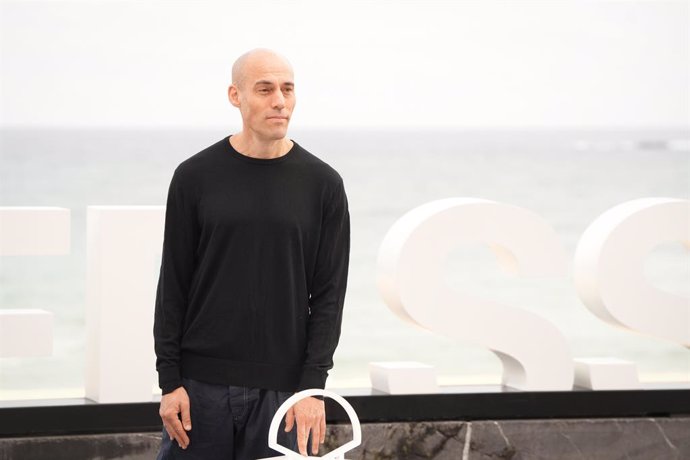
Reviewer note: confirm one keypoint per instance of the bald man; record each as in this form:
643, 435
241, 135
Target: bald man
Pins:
252, 280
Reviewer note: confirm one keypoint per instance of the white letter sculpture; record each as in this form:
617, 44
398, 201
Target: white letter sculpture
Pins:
123, 246
31, 231
609, 267
534, 354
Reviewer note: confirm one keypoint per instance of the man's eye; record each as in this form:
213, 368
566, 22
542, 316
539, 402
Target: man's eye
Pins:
264, 90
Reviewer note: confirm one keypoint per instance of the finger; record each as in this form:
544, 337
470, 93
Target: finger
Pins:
174, 425
169, 433
323, 429
289, 419
315, 437
186, 414
302, 434
169, 424
180, 434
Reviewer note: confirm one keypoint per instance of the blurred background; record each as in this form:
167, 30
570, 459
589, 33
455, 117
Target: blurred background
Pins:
566, 108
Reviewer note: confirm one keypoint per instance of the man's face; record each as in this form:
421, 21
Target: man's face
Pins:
265, 96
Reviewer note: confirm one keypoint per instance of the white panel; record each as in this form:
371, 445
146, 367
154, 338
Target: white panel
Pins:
534, 354
403, 377
606, 374
34, 231
609, 267
26, 333
123, 247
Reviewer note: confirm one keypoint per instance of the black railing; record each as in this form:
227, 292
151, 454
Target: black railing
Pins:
467, 402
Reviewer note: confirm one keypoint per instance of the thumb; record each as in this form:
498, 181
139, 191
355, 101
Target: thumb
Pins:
289, 419
186, 417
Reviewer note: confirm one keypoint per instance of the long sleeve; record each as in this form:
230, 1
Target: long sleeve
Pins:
327, 293
180, 241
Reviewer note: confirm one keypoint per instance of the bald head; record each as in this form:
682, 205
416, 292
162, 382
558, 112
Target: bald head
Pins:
257, 57
263, 88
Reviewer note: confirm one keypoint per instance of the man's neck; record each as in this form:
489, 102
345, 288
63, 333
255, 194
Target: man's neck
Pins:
260, 148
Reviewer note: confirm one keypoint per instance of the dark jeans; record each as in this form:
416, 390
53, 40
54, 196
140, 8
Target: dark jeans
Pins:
229, 423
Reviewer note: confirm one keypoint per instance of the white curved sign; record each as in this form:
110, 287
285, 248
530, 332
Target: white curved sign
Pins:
534, 353
608, 268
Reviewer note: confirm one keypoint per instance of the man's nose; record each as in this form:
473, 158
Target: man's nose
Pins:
279, 100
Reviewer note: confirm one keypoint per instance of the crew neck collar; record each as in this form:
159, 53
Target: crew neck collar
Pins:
264, 161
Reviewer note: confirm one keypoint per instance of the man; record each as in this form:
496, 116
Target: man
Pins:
252, 281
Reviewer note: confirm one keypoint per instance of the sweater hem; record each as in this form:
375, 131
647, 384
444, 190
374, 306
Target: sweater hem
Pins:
222, 371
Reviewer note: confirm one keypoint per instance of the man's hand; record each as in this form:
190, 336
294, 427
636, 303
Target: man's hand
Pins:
173, 404
310, 414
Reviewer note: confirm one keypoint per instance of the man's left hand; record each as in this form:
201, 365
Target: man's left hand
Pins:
309, 414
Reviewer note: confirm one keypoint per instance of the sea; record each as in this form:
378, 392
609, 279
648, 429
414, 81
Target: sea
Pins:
568, 176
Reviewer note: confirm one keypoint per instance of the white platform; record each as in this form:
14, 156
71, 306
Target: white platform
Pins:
606, 374
403, 377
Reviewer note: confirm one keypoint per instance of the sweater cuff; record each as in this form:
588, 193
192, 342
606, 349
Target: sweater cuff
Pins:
312, 378
169, 379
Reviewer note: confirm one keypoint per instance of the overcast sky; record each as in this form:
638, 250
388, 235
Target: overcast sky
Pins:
405, 63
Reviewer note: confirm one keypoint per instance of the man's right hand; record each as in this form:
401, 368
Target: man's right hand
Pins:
172, 404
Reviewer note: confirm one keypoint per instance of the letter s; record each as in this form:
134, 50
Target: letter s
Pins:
534, 353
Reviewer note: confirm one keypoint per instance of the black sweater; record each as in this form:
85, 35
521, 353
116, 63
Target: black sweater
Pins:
253, 272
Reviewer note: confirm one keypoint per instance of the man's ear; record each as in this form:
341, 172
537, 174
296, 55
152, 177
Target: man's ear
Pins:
233, 97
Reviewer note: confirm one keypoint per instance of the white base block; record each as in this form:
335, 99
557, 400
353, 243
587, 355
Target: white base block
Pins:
606, 374
403, 377
26, 333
